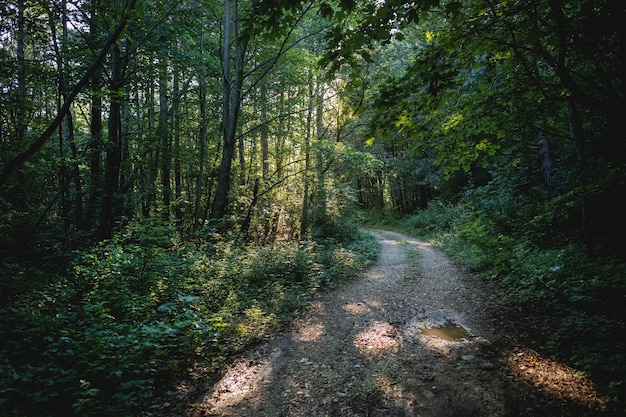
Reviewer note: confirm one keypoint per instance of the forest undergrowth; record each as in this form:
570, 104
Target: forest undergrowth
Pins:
105, 331
569, 305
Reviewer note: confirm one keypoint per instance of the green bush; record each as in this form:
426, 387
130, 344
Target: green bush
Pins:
580, 298
341, 263
131, 313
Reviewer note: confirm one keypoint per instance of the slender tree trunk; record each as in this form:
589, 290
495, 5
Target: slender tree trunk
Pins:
202, 134
201, 149
21, 74
95, 129
153, 158
111, 200
68, 171
304, 217
280, 138
231, 105
76, 178
126, 169
164, 137
245, 226
22, 157
178, 185
320, 214
265, 148
60, 52
577, 134
69, 138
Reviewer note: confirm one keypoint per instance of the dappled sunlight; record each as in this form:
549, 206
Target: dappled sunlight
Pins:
394, 347
422, 245
310, 332
395, 392
356, 308
392, 242
361, 308
378, 339
239, 381
316, 307
552, 377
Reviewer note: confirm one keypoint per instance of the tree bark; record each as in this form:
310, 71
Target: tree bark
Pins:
201, 147
548, 167
231, 105
95, 128
178, 185
304, 216
164, 136
21, 75
111, 200
577, 134
265, 148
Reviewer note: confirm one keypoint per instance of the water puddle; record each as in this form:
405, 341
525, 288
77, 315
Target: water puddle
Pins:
447, 331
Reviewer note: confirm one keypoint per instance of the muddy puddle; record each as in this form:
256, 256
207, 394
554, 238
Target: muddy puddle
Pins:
448, 331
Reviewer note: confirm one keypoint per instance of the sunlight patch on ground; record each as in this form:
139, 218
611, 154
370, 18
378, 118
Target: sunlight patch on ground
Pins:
390, 242
363, 308
238, 382
380, 338
310, 332
317, 307
554, 377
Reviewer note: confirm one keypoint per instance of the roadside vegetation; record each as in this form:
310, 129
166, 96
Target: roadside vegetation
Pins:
577, 302
121, 321
178, 177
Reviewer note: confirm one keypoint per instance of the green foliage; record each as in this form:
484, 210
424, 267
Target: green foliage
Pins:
131, 313
342, 262
440, 215
580, 298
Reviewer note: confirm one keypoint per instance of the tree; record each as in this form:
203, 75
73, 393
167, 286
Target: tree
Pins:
492, 75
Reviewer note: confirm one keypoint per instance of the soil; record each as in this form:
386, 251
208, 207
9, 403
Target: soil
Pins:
373, 348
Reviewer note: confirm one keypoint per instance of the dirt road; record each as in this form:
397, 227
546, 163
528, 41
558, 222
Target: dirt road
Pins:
377, 347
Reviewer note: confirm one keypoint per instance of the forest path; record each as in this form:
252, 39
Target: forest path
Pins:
363, 350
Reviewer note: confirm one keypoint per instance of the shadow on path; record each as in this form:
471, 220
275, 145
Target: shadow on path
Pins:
361, 351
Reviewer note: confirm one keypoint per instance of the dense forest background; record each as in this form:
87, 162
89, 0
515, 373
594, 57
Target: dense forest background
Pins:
177, 177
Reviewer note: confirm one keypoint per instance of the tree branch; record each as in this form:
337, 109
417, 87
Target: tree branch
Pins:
18, 160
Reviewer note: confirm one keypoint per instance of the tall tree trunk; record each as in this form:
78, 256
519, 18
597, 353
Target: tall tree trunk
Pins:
202, 134
304, 217
164, 136
126, 170
151, 166
577, 134
74, 172
178, 185
21, 74
265, 148
319, 213
111, 200
78, 188
201, 148
95, 129
60, 52
68, 171
280, 138
231, 105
